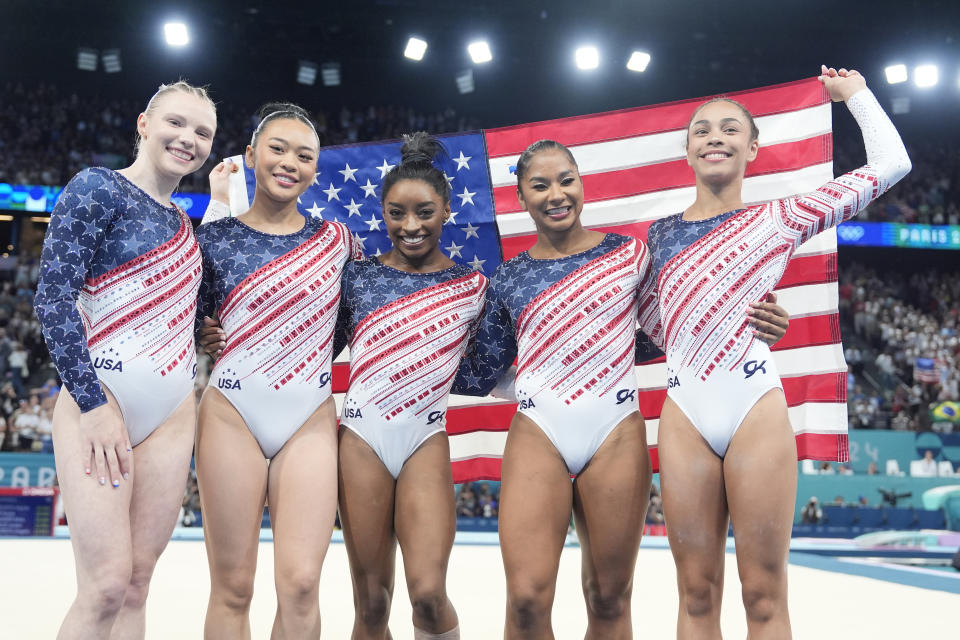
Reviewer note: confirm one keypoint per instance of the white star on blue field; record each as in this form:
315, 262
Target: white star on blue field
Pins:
351, 192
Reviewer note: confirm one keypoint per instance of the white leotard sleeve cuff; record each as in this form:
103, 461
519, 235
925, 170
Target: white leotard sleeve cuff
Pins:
215, 211
885, 150
506, 385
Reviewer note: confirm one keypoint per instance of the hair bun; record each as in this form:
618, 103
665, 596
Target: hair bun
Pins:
421, 148
271, 108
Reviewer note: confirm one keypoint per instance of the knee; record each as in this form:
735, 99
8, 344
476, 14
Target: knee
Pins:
299, 588
373, 608
763, 597
428, 604
107, 593
698, 598
233, 589
528, 607
136, 596
608, 602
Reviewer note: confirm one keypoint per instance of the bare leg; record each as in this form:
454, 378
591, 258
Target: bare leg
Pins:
302, 491
99, 519
610, 499
163, 462
232, 478
695, 510
535, 504
366, 515
426, 522
760, 471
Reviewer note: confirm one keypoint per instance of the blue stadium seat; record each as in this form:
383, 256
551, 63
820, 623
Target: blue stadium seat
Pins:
931, 519
837, 516
901, 518
870, 517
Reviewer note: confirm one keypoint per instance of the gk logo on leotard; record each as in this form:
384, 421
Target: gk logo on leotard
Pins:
435, 416
752, 367
625, 394
324, 379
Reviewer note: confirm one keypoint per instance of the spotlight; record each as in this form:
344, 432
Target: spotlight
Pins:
111, 60
896, 73
638, 61
176, 34
479, 52
87, 59
415, 49
306, 72
926, 75
587, 58
331, 74
465, 81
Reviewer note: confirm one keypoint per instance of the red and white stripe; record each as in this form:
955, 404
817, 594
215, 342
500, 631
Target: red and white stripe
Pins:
555, 321
406, 353
280, 318
634, 170
145, 308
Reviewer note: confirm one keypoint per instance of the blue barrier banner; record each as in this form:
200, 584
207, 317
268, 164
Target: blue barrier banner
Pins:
870, 445
39, 199
27, 470
895, 234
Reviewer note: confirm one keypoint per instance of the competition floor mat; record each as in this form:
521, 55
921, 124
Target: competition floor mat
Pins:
830, 595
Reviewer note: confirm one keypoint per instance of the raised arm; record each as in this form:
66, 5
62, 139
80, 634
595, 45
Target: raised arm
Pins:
842, 198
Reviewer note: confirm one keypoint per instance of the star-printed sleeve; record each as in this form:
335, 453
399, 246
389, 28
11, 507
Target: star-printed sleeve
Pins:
491, 352
78, 224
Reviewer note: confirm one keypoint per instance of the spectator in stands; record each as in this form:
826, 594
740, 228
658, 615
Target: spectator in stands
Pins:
927, 467
872, 469
655, 509
811, 513
17, 360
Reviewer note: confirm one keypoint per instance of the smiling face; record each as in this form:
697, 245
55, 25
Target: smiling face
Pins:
551, 191
177, 133
415, 213
720, 142
284, 160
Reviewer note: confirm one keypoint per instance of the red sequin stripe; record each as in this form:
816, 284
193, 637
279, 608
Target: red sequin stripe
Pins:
268, 270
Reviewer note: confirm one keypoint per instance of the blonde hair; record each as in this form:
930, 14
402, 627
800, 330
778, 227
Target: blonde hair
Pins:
164, 89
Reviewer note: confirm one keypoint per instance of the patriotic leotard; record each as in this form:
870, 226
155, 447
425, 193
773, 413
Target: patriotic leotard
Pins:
276, 297
117, 297
570, 322
407, 334
707, 272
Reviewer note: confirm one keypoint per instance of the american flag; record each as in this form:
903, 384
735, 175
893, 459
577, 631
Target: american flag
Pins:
634, 171
927, 370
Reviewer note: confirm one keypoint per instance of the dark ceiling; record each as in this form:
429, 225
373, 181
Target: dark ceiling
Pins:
247, 50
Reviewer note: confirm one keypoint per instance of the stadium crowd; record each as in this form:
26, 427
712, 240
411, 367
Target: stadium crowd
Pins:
56, 133
890, 318
904, 350
930, 194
